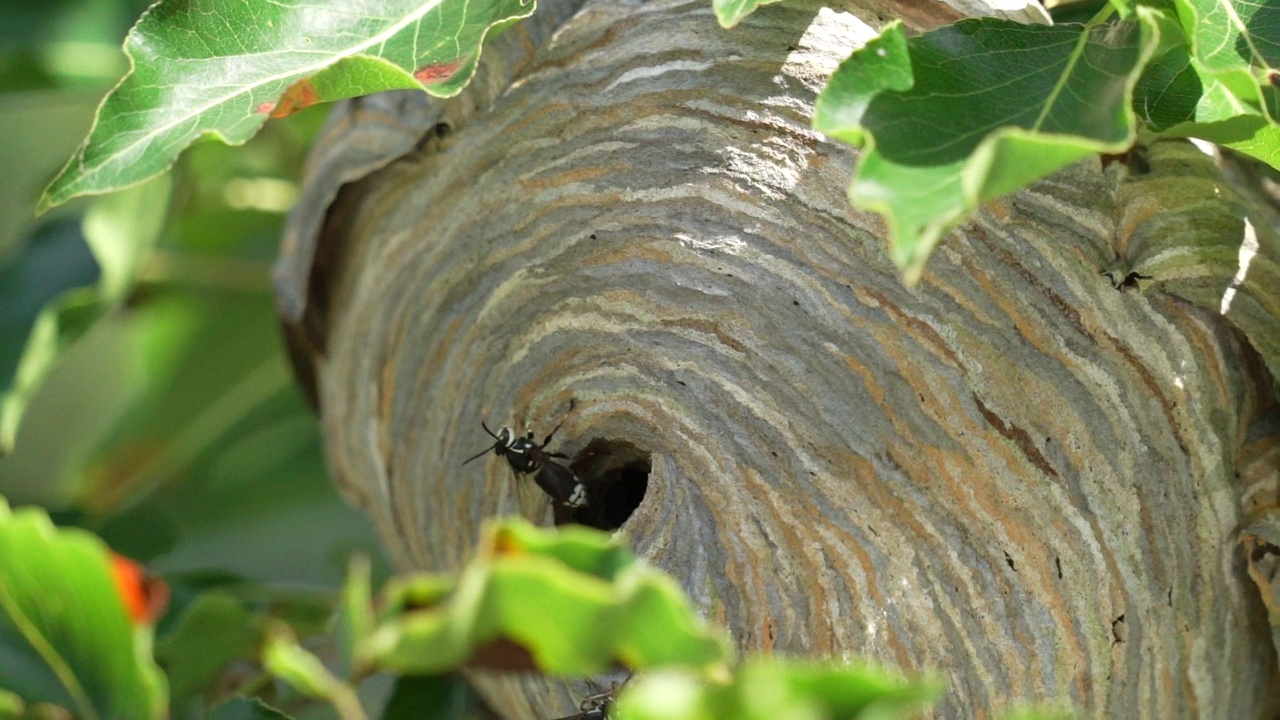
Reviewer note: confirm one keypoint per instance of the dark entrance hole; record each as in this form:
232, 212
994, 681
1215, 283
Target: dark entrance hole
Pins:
616, 474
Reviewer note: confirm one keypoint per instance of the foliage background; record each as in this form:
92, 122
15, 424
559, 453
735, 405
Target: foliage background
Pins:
173, 429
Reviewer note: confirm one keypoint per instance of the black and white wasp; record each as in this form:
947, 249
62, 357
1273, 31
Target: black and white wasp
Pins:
527, 457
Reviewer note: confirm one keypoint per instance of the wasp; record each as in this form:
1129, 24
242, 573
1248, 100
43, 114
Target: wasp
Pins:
527, 457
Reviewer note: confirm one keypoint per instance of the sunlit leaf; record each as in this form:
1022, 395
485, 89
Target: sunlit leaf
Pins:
1236, 43
963, 114
218, 69
1176, 98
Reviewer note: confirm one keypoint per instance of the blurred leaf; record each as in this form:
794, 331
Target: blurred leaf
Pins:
119, 229
59, 324
1019, 102
778, 690
580, 549
731, 12
64, 43
355, 614
243, 709
257, 488
11, 706
99, 377
218, 462
429, 697
416, 591
289, 661
55, 259
141, 532
40, 128
208, 68
519, 601
215, 630
65, 636
190, 443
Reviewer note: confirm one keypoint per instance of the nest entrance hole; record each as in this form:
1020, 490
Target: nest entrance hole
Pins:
616, 474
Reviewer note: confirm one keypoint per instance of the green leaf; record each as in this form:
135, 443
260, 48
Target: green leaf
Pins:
40, 129
245, 709
289, 661
963, 114
1236, 43
58, 325
355, 614
286, 659
731, 12
1169, 91
190, 442
217, 69
568, 602
1177, 99
215, 630
120, 230
65, 636
11, 706
768, 689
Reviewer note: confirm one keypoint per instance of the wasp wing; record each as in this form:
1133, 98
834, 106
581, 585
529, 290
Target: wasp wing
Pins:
534, 504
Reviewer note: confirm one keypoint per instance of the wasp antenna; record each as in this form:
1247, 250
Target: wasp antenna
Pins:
477, 455
486, 429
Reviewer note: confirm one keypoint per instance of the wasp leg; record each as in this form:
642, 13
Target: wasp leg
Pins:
546, 441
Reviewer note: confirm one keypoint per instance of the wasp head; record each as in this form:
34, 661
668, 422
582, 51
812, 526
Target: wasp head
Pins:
522, 453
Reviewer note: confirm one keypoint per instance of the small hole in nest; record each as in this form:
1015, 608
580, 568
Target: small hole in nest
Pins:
616, 474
